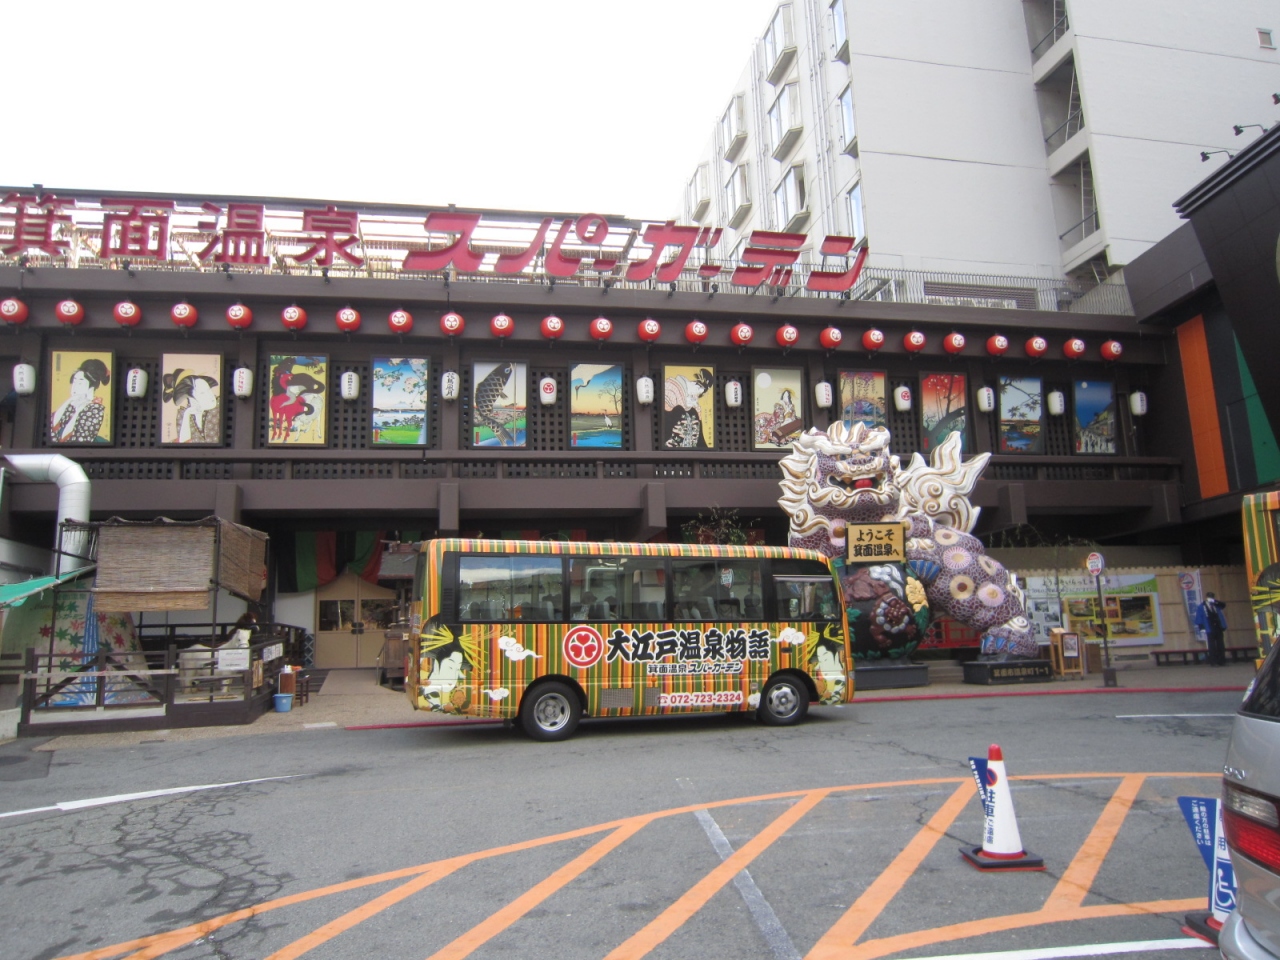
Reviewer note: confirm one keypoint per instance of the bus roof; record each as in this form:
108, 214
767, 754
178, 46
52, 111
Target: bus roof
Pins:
614, 548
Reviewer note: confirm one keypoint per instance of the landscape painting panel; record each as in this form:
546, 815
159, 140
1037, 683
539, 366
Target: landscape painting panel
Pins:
80, 395
862, 398
595, 405
688, 407
1095, 413
499, 411
191, 398
401, 400
299, 387
777, 395
943, 409
1021, 413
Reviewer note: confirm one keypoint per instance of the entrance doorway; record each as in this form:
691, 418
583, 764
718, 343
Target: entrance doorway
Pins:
351, 617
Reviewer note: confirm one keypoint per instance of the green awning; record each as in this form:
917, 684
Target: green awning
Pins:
15, 594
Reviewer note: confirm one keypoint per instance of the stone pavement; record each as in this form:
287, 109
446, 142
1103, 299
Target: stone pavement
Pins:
353, 698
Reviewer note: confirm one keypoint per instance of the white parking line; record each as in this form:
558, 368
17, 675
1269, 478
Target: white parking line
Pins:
1089, 950
145, 795
1156, 716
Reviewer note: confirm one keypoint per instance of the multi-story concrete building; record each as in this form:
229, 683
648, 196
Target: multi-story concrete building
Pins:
1040, 139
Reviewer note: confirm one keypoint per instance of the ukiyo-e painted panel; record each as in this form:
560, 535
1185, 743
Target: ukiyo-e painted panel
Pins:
777, 396
401, 401
862, 397
595, 406
191, 398
499, 412
1021, 410
299, 388
688, 408
1095, 416
80, 396
943, 409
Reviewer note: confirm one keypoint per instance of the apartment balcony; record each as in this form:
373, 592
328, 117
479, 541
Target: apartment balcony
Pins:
1054, 47
1082, 241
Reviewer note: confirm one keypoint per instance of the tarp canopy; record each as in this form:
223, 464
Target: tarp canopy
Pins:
15, 594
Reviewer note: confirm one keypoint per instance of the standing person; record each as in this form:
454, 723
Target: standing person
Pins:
1212, 619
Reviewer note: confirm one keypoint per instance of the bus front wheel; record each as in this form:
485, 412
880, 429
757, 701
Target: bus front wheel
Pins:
550, 711
784, 702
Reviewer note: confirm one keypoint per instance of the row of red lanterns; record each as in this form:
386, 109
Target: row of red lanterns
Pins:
348, 319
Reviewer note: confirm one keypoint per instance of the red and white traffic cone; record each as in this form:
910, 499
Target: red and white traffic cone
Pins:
1001, 843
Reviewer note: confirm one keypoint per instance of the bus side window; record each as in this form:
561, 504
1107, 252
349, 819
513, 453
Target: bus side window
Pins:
804, 590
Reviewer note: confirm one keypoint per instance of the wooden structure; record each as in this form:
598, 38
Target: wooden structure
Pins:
1065, 654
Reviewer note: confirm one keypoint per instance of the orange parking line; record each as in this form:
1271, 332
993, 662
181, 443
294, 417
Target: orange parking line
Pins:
872, 949
1078, 878
495, 924
364, 911
885, 887
672, 918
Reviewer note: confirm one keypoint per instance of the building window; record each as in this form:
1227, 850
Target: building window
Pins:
737, 197
784, 119
779, 46
840, 30
733, 131
789, 197
847, 129
1265, 40
698, 196
857, 228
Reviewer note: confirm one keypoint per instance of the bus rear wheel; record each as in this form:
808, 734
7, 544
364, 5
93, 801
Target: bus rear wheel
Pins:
550, 712
784, 702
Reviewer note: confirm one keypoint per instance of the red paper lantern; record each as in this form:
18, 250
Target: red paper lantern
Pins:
914, 341
13, 310
786, 335
1037, 346
69, 312
648, 329
502, 326
695, 331
127, 313
400, 321
1111, 350
293, 317
452, 324
741, 334
239, 316
1073, 349
601, 328
552, 327
347, 319
953, 342
184, 314
872, 340
830, 338
997, 344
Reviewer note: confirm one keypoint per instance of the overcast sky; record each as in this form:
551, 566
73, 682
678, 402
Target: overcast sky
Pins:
558, 105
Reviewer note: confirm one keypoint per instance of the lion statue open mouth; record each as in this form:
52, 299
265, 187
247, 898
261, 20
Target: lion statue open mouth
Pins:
847, 475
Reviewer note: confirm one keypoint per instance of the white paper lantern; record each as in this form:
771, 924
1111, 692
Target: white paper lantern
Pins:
1057, 403
986, 399
449, 385
902, 398
823, 395
547, 391
733, 394
24, 379
349, 385
135, 383
1138, 403
242, 382
644, 391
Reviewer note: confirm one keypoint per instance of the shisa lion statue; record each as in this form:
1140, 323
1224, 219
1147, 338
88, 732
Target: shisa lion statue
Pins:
847, 476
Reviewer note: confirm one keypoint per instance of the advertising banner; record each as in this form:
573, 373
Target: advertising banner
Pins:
1130, 601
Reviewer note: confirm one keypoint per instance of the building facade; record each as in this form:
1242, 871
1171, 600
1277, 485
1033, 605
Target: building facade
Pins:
1040, 139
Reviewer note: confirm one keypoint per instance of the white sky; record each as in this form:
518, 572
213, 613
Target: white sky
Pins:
557, 105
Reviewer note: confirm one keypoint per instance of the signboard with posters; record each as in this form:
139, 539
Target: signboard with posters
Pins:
1130, 604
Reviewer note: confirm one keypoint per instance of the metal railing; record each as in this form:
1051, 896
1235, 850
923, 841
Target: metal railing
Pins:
1079, 231
1068, 129
1049, 39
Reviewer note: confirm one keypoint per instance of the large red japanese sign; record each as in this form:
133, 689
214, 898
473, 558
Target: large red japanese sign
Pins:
248, 235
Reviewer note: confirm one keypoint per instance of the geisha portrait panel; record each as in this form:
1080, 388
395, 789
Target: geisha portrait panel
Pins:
191, 398
80, 396
297, 403
688, 407
777, 395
